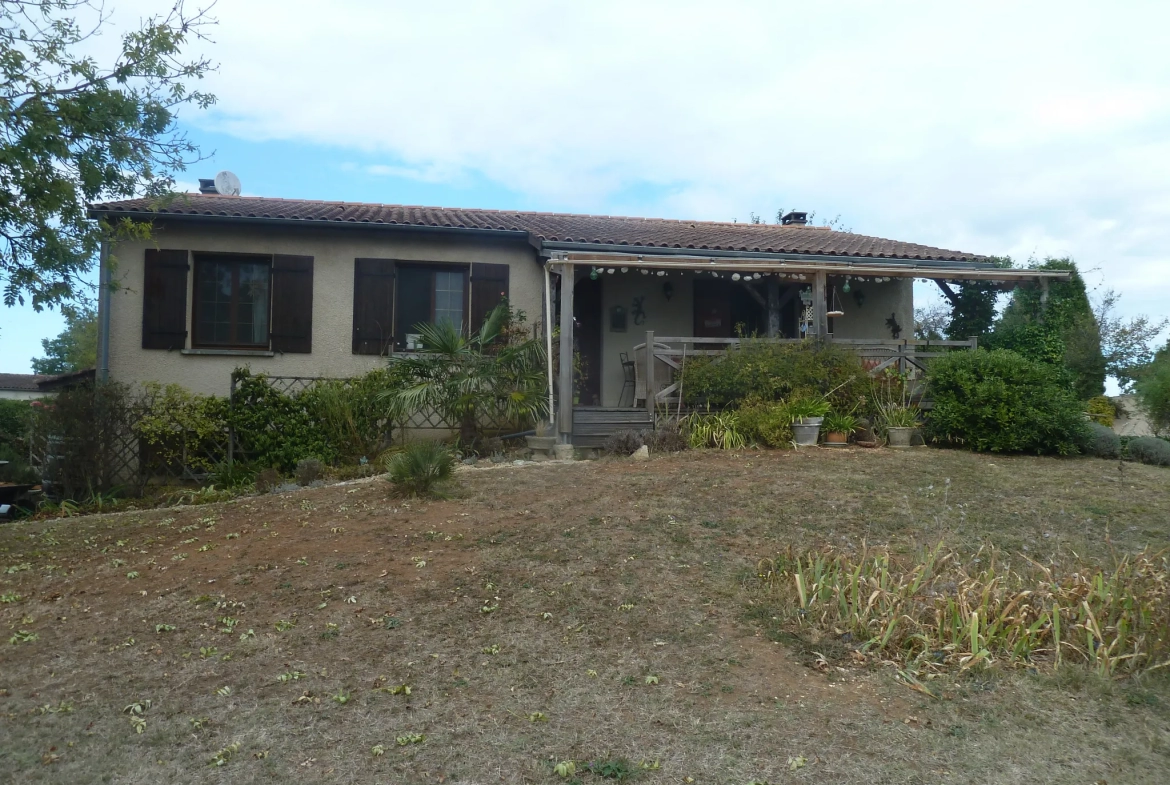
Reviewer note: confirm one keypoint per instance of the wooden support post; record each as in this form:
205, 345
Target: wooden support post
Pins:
650, 391
565, 413
820, 305
773, 307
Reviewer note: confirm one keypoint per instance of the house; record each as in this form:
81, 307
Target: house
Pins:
305, 288
21, 386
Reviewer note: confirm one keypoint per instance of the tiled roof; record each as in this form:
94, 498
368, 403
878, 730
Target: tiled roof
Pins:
21, 381
646, 233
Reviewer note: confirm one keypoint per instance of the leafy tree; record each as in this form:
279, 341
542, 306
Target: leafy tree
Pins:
930, 322
75, 348
1064, 333
974, 305
465, 377
1126, 343
1153, 390
76, 131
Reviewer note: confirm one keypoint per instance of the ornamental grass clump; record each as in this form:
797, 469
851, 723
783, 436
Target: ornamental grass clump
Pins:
941, 611
420, 468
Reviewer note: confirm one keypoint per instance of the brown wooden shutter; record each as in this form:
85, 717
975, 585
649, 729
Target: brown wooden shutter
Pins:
292, 304
489, 285
164, 300
373, 306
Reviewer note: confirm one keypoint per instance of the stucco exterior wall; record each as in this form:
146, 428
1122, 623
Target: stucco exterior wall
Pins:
333, 252
880, 300
674, 317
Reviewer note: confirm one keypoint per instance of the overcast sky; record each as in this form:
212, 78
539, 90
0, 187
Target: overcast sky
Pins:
1026, 129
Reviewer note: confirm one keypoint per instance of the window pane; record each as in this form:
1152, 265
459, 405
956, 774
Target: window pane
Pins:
231, 302
214, 303
414, 301
252, 316
449, 298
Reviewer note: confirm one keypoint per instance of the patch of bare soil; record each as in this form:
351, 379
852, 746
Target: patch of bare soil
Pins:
591, 611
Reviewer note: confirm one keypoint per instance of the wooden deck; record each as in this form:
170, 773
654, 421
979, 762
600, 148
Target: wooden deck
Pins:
592, 425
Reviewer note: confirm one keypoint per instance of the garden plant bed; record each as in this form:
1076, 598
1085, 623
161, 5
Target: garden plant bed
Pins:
552, 612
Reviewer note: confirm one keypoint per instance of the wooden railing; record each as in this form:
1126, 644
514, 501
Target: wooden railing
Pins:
660, 368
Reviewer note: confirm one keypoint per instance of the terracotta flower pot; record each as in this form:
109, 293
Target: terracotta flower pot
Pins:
836, 437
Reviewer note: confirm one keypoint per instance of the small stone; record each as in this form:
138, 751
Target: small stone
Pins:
641, 454
564, 452
470, 461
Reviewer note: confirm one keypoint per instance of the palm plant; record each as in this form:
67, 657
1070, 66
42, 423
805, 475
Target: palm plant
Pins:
467, 377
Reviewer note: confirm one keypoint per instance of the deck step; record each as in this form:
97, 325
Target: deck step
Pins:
593, 425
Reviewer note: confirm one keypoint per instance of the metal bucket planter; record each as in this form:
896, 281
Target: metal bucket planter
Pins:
900, 437
805, 432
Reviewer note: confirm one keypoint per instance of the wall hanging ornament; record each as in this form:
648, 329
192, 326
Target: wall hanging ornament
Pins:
668, 290
895, 328
638, 311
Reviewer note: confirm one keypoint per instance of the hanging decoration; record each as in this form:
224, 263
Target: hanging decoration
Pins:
835, 306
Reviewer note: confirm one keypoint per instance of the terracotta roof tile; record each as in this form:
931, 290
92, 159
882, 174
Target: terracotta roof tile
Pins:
552, 227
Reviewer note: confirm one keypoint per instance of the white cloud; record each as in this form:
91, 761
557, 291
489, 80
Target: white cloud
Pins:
996, 127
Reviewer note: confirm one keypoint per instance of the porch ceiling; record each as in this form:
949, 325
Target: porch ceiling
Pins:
784, 265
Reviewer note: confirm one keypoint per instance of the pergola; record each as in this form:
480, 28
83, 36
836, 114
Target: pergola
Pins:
773, 270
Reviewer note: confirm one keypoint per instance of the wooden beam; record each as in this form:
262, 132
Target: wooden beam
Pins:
650, 373
820, 304
948, 291
565, 415
774, 306
759, 298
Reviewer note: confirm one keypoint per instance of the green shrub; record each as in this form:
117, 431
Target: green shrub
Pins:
999, 401
276, 429
767, 423
1102, 410
1153, 391
16, 419
771, 371
1149, 449
420, 467
233, 476
1103, 442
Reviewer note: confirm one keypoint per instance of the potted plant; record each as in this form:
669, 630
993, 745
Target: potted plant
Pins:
542, 442
899, 423
839, 427
807, 415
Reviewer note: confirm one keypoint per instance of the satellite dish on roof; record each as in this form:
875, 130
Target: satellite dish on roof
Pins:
227, 184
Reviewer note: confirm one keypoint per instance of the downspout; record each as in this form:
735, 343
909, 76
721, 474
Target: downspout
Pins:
548, 331
103, 352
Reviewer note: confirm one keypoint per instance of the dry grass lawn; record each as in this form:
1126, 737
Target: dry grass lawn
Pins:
592, 612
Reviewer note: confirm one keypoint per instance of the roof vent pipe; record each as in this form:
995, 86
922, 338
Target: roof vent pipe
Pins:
794, 218
206, 186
